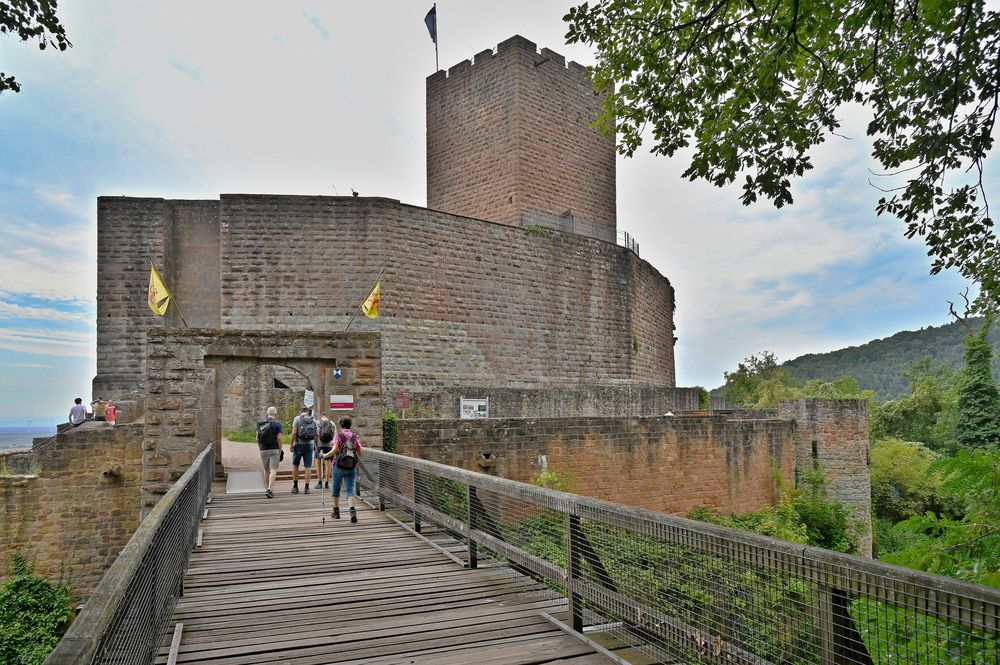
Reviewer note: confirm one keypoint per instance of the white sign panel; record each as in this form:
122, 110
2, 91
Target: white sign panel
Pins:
309, 399
474, 408
341, 402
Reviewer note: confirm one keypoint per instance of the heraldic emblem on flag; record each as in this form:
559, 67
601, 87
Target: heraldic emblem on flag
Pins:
370, 306
158, 296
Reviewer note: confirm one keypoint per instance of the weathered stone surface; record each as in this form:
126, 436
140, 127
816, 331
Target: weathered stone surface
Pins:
665, 464
832, 435
188, 404
72, 519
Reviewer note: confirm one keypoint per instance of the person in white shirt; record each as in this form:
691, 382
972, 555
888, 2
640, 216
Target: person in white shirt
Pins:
77, 413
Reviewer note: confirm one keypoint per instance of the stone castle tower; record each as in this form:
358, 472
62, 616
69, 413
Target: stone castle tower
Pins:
509, 284
509, 140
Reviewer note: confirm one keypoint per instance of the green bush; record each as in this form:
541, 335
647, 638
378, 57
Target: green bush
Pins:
827, 522
242, 437
902, 482
34, 613
805, 515
390, 431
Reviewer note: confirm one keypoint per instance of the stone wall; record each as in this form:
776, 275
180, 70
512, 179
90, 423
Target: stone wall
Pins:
509, 139
666, 464
72, 519
189, 370
832, 436
464, 302
182, 237
563, 402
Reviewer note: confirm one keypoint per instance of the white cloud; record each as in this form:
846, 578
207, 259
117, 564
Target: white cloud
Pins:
10, 310
48, 342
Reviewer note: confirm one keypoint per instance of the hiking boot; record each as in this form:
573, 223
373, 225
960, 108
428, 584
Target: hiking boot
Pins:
336, 513
295, 489
354, 516
268, 493
326, 485
307, 489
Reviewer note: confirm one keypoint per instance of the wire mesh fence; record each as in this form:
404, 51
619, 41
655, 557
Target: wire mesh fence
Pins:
688, 592
124, 621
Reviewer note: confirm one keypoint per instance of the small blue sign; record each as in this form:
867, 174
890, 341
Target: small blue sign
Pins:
336, 372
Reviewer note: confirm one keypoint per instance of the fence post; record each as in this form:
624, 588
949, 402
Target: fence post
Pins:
470, 499
573, 571
416, 500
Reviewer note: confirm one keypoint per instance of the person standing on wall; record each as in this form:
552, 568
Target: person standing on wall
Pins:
303, 436
111, 413
346, 453
77, 413
269, 442
324, 444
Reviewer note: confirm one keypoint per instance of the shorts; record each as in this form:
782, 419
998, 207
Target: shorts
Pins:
323, 450
347, 477
302, 452
270, 459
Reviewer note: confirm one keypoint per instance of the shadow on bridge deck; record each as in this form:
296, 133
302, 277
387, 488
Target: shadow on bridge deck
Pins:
271, 583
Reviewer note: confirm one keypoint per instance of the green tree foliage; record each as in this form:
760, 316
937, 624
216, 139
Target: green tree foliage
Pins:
758, 382
966, 547
31, 20
882, 364
927, 414
34, 613
978, 401
753, 86
903, 484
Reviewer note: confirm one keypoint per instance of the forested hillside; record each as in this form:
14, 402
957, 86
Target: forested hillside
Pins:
878, 364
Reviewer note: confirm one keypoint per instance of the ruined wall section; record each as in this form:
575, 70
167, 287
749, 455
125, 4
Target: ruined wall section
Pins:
509, 140
832, 436
632, 401
69, 518
666, 464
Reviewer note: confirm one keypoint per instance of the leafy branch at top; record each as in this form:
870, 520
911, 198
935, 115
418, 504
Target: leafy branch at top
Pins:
752, 87
31, 20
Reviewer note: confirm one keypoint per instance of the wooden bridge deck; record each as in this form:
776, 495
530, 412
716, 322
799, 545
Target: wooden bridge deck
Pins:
272, 584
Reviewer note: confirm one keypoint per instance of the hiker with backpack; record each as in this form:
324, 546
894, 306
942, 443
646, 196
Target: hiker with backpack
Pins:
303, 438
324, 444
269, 443
346, 454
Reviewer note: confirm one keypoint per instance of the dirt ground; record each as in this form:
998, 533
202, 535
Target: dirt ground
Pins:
245, 456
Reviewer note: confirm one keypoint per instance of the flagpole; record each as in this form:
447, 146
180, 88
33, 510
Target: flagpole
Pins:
437, 65
173, 296
382, 270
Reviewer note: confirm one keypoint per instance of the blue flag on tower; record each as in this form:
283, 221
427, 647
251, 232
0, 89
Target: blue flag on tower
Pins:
431, 20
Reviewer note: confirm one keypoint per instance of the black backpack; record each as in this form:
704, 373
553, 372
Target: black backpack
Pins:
307, 428
347, 458
267, 438
326, 431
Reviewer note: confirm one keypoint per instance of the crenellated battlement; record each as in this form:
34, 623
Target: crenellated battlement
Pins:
510, 139
515, 47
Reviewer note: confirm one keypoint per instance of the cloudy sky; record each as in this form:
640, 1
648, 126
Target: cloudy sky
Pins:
193, 99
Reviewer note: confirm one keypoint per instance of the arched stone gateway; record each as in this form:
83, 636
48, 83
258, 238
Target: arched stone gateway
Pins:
188, 371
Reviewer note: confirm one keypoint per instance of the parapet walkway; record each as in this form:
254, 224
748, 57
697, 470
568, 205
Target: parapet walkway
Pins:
271, 583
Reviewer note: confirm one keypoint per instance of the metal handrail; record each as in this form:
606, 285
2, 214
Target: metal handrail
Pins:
822, 606
124, 620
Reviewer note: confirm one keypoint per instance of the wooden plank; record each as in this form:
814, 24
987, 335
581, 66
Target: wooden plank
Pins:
175, 644
271, 583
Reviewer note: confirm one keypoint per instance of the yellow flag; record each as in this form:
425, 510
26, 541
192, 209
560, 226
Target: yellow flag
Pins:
158, 296
370, 306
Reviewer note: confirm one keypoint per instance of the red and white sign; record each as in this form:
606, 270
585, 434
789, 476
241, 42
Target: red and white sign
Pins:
341, 402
